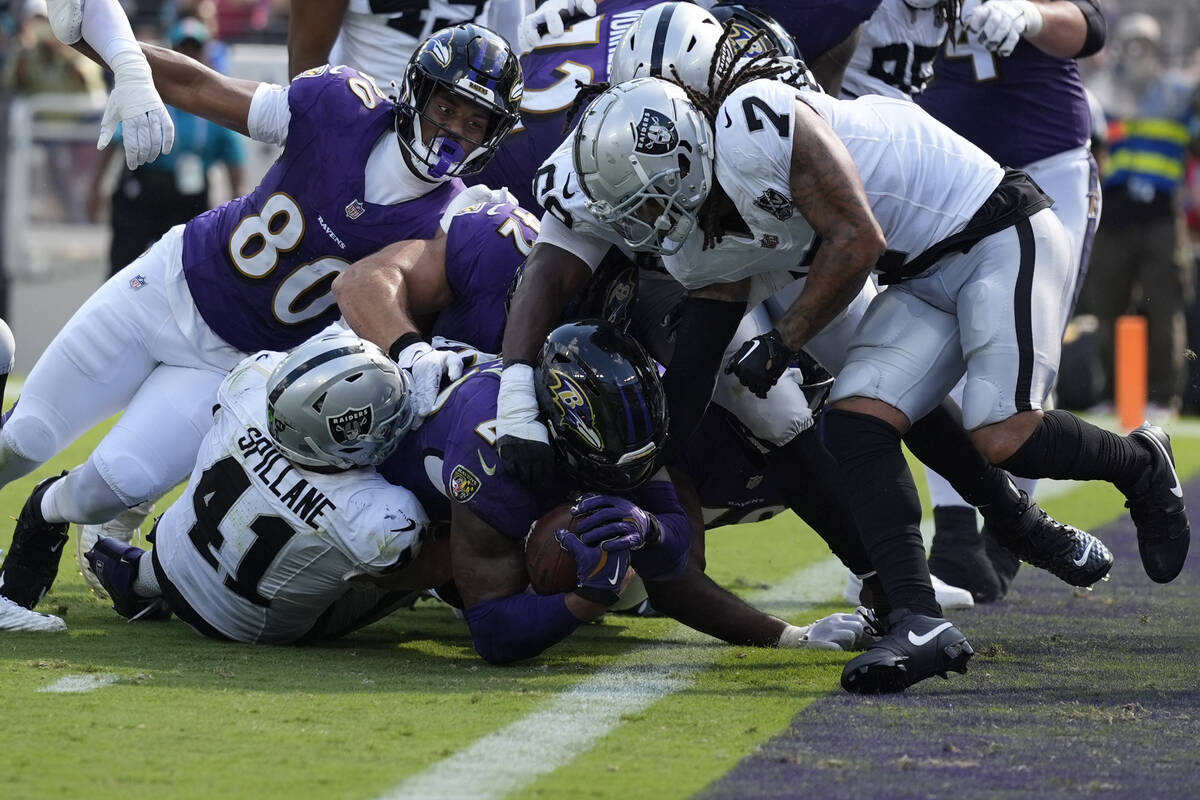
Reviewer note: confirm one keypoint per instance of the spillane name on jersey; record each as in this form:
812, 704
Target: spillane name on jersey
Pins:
895, 51
1019, 109
260, 547
260, 267
582, 53
486, 248
923, 182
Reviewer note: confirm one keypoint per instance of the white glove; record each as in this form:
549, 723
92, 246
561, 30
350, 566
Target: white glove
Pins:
474, 195
835, 632
517, 408
66, 19
427, 367
135, 103
551, 15
1000, 24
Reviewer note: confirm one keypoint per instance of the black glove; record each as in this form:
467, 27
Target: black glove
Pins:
760, 361
815, 381
529, 461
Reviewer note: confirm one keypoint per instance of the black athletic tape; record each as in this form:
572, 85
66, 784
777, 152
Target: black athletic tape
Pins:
398, 346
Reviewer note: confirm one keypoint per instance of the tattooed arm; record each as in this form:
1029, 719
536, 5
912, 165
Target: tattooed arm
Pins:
828, 192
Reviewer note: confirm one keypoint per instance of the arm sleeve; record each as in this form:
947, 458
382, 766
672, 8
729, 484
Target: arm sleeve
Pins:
1097, 27
519, 626
667, 558
269, 114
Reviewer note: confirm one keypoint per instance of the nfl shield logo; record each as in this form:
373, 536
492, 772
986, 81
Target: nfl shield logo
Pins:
137, 281
354, 210
463, 484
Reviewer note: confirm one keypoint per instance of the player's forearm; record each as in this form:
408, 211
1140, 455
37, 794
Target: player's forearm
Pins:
190, 86
520, 626
312, 29
1064, 29
548, 285
698, 602
373, 299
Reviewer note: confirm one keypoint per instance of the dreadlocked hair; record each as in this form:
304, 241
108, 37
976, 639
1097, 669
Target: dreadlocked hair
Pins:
949, 12
583, 95
725, 76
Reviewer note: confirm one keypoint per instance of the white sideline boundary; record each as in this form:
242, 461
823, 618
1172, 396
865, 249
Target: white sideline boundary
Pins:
74, 684
516, 755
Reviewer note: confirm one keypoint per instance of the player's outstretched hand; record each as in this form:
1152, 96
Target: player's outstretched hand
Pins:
835, 632
760, 361
614, 523
135, 104
600, 572
428, 367
999, 25
547, 22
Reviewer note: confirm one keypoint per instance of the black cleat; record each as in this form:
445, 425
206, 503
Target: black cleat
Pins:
916, 647
115, 565
31, 565
1157, 508
957, 555
1035, 537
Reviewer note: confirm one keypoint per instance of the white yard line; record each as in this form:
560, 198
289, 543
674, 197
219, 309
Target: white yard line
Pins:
73, 684
518, 754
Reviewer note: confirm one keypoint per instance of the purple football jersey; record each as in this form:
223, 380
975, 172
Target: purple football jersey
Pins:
1018, 110
818, 25
730, 478
582, 53
485, 251
260, 267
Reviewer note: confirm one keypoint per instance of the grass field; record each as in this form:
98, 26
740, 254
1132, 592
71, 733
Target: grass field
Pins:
629, 707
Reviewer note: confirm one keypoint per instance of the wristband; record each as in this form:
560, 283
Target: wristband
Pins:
405, 341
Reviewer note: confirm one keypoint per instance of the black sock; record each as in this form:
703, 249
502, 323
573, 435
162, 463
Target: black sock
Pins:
807, 476
884, 501
940, 442
1064, 446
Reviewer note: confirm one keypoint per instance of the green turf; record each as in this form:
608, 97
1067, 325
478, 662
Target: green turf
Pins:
193, 718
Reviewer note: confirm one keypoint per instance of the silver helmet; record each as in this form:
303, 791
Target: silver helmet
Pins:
644, 156
675, 41
338, 401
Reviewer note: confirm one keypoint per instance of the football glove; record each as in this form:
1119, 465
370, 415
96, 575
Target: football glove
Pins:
600, 572
474, 195
135, 104
760, 361
427, 367
999, 24
523, 441
835, 632
614, 523
550, 19
66, 19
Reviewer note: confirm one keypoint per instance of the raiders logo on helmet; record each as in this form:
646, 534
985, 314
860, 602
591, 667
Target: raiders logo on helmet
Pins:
656, 134
349, 426
775, 204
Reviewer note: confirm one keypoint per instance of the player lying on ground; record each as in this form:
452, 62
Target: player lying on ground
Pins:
358, 171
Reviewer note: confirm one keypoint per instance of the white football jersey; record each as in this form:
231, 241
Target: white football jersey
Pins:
922, 181
895, 52
261, 547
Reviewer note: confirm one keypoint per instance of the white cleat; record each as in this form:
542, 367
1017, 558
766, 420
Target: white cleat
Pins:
948, 596
18, 618
126, 527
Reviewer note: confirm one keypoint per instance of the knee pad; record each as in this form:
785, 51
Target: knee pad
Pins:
981, 404
132, 480
29, 436
857, 379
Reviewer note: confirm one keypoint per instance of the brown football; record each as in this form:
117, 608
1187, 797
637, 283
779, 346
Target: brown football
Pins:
551, 568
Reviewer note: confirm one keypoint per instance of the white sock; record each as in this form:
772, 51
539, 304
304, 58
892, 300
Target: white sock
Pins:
146, 583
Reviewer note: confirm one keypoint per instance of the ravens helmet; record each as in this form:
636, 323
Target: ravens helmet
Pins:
474, 64
745, 21
605, 406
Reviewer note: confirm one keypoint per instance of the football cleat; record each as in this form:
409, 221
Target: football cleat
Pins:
1157, 508
915, 647
1035, 537
125, 527
957, 555
115, 565
18, 618
947, 596
31, 565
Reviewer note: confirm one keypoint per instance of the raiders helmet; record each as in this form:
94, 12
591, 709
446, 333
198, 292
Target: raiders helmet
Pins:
472, 63
675, 41
604, 403
644, 156
745, 21
338, 401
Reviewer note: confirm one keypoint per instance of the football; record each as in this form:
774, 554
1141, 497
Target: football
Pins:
551, 568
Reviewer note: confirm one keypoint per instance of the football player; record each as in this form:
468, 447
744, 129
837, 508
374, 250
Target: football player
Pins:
285, 532
602, 396
1008, 82
932, 195
358, 171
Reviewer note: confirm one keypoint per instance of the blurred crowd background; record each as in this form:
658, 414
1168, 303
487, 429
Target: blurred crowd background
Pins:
70, 214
